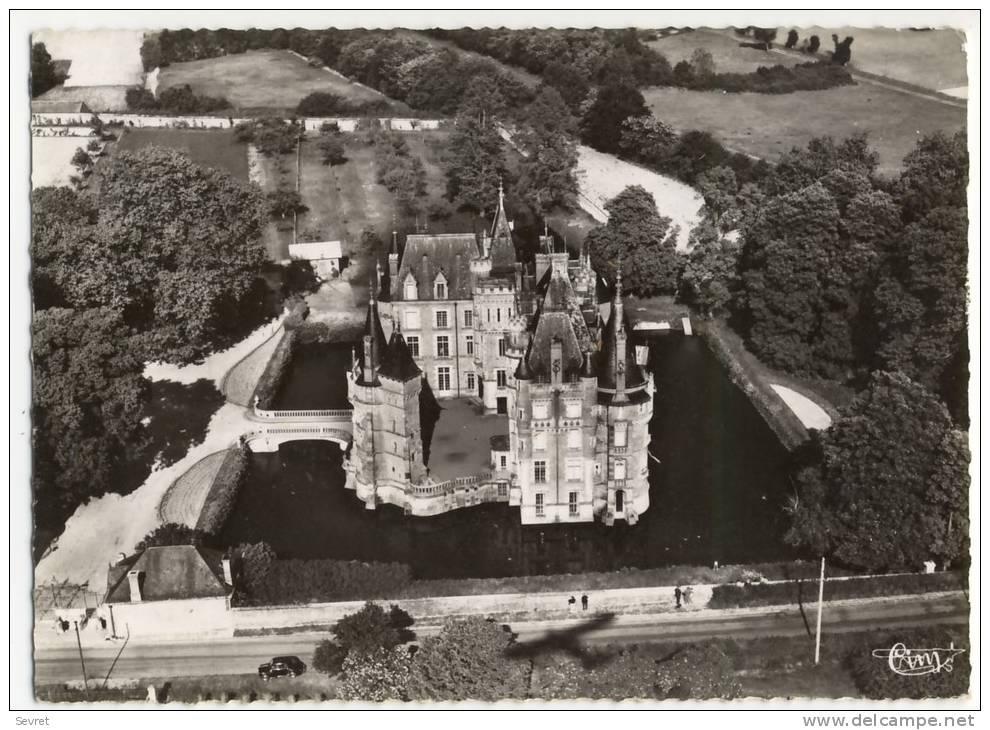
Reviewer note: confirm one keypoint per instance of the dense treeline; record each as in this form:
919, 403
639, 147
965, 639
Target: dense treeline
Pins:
174, 100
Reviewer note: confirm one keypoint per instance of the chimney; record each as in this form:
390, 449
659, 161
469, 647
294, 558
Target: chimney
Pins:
427, 280
393, 258
228, 573
134, 578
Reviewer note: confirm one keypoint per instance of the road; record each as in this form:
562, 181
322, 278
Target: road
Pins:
243, 655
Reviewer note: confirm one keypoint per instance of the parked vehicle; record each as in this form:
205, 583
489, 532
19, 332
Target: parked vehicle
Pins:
281, 666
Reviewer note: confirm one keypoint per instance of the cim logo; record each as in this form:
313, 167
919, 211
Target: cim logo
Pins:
918, 662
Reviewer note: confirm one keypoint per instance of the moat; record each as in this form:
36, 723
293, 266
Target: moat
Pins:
716, 493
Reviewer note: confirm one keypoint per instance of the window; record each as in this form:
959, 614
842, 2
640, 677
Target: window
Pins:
501, 347
540, 441
412, 319
502, 461
619, 433
413, 342
468, 317
409, 289
443, 378
503, 489
573, 471
572, 504
440, 289
443, 346
541, 409
442, 318
470, 381
469, 344
500, 378
573, 409
539, 505
540, 473
620, 468
498, 314
574, 439
488, 313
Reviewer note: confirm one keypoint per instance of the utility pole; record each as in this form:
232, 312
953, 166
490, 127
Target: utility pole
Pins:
81, 660
821, 596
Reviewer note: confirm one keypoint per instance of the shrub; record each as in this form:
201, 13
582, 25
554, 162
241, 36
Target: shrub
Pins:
171, 533
318, 581
223, 492
174, 100
270, 135
283, 202
323, 104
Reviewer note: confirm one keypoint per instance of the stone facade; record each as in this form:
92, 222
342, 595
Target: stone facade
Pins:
528, 342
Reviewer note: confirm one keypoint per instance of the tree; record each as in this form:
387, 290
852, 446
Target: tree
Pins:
171, 533
151, 53
468, 660
547, 176
601, 124
792, 38
571, 83
476, 162
81, 160
799, 168
61, 218
892, 488
176, 249
718, 186
366, 631
646, 139
920, 301
684, 73
697, 672
380, 675
332, 150
703, 63
814, 43
710, 274
843, 51
283, 202
88, 398
42, 70
643, 240
256, 561
270, 135
323, 104
936, 175
765, 36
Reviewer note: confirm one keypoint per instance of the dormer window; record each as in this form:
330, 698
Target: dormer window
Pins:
409, 288
440, 286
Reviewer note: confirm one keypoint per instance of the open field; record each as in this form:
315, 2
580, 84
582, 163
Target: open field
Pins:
728, 55
51, 159
211, 148
768, 125
271, 79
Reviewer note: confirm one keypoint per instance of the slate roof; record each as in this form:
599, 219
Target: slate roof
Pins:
379, 346
174, 572
499, 442
398, 363
608, 359
503, 250
67, 106
426, 255
559, 318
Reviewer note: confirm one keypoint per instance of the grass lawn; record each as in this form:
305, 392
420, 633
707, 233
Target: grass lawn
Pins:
728, 55
212, 148
768, 125
269, 79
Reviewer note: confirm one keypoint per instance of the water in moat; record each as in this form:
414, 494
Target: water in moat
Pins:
717, 493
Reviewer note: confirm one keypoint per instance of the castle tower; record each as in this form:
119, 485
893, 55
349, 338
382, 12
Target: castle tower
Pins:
384, 386
625, 392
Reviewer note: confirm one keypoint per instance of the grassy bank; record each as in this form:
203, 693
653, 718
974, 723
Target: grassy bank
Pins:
223, 491
271, 379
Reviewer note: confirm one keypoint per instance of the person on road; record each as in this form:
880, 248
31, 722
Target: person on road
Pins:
584, 602
687, 594
570, 603
677, 596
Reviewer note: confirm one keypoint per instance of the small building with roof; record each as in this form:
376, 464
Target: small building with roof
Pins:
169, 590
326, 257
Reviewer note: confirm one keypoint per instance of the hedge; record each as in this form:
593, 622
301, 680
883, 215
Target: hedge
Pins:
806, 591
322, 581
278, 366
874, 678
223, 492
813, 76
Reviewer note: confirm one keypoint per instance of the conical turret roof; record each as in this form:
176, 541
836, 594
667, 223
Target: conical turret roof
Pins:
372, 328
503, 250
399, 363
608, 360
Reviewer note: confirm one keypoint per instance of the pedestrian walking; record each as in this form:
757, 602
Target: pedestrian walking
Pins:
584, 602
687, 594
677, 596
570, 604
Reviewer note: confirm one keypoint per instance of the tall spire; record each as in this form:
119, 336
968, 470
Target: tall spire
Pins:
617, 298
502, 251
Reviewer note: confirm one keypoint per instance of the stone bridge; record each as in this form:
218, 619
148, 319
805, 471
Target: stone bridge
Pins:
270, 429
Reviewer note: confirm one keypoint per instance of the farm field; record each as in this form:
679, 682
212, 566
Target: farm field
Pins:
211, 148
768, 125
729, 57
261, 80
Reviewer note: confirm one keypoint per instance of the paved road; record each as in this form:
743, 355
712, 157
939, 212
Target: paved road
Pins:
243, 655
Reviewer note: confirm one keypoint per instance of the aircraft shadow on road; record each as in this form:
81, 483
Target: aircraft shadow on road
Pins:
567, 641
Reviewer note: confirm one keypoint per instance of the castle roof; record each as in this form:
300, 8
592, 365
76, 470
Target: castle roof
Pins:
172, 572
559, 319
379, 346
503, 251
426, 255
398, 363
608, 359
